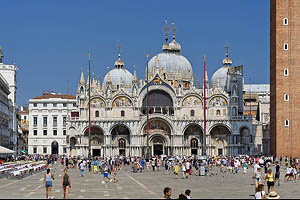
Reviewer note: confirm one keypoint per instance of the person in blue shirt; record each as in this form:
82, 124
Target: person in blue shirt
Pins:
95, 166
143, 165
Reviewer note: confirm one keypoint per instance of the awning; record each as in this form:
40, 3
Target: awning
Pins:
5, 150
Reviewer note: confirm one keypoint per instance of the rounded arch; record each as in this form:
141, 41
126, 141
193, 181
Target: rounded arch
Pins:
97, 102
54, 148
156, 124
158, 98
218, 100
245, 135
120, 131
167, 90
122, 101
191, 100
219, 125
94, 129
192, 131
73, 141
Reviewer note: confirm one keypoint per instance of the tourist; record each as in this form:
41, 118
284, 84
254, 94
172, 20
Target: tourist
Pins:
182, 196
273, 195
143, 165
288, 174
188, 194
183, 169
115, 174
153, 165
167, 193
260, 194
95, 166
245, 167
277, 174
48, 177
258, 178
90, 165
105, 175
66, 183
176, 170
270, 180
81, 167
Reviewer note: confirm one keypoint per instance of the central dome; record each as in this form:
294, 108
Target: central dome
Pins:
119, 76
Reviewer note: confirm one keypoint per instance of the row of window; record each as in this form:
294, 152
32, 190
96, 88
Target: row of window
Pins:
45, 150
54, 105
286, 72
122, 113
45, 121
45, 132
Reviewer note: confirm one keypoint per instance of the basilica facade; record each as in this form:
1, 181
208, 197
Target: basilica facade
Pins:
176, 111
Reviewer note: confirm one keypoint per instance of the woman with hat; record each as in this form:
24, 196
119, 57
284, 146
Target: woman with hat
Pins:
273, 195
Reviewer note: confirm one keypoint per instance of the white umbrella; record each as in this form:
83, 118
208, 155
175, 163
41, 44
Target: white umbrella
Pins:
5, 150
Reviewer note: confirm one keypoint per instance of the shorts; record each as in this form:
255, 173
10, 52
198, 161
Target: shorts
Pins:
277, 176
270, 184
66, 185
48, 184
115, 174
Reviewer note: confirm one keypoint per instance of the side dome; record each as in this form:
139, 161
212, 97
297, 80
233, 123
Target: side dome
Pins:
220, 78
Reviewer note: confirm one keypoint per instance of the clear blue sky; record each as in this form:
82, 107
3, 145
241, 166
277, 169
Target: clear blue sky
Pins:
50, 40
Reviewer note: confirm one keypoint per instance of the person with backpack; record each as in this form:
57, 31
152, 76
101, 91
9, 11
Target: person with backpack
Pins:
66, 183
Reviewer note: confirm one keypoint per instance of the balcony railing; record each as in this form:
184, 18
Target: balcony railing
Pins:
166, 110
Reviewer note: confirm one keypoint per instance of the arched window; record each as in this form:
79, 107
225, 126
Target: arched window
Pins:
194, 143
192, 113
97, 113
81, 90
122, 113
122, 144
218, 112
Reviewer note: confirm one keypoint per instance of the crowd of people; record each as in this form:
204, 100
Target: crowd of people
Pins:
179, 166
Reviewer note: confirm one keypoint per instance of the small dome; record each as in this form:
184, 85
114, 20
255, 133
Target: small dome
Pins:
119, 76
227, 60
174, 46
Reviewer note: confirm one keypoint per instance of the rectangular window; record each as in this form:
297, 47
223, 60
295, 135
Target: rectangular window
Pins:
64, 132
64, 120
45, 132
64, 105
285, 21
286, 72
25, 117
65, 150
34, 120
44, 120
44, 104
54, 121
35, 132
287, 123
286, 46
55, 105
35, 105
54, 132
74, 104
34, 150
45, 150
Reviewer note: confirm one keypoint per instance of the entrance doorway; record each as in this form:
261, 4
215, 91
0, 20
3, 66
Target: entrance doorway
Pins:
54, 148
158, 149
194, 151
122, 152
220, 152
96, 152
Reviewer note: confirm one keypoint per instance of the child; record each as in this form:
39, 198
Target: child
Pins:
115, 174
176, 170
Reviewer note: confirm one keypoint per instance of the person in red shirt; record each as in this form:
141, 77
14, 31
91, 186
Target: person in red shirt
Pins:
0, 161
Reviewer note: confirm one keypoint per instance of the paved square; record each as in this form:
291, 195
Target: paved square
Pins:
142, 185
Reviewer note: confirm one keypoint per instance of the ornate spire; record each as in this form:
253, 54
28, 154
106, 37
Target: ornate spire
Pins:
88, 81
227, 61
173, 29
108, 77
119, 63
98, 85
1, 55
166, 31
94, 82
206, 80
134, 75
82, 79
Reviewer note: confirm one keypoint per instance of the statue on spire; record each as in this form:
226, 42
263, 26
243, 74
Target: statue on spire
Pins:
166, 31
173, 29
1, 55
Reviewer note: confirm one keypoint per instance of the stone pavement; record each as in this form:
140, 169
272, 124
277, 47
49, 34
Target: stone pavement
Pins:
141, 185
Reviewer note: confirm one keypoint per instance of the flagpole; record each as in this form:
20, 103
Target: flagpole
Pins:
148, 148
89, 105
204, 100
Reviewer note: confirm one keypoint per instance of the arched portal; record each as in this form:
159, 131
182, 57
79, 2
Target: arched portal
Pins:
159, 137
96, 139
192, 134
220, 137
120, 138
159, 102
54, 148
158, 144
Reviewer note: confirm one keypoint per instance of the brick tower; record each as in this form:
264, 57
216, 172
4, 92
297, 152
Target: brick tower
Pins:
285, 77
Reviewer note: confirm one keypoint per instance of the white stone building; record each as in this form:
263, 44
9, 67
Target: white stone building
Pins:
118, 111
47, 123
4, 113
9, 72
